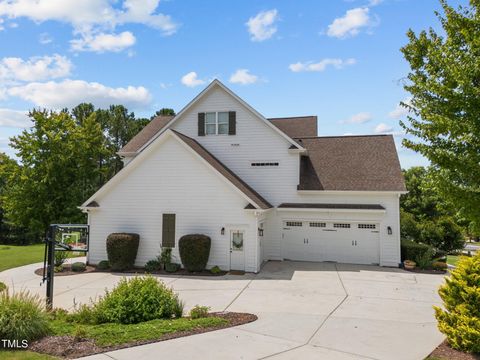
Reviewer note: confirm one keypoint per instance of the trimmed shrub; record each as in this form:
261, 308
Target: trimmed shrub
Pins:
3, 286
425, 259
152, 265
412, 250
172, 267
194, 251
136, 300
122, 250
103, 265
60, 257
439, 265
22, 316
459, 320
166, 256
198, 312
215, 270
78, 266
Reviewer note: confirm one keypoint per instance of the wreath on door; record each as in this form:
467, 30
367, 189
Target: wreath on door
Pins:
237, 242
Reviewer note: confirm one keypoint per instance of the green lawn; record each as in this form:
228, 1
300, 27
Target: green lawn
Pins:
114, 334
24, 355
12, 256
453, 259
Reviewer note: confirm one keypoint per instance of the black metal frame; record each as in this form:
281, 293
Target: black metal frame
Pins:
49, 255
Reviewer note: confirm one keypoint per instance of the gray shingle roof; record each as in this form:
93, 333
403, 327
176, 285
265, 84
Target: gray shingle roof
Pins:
298, 126
351, 163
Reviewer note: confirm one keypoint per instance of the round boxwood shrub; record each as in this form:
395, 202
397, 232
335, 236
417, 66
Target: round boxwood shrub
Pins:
459, 319
194, 251
22, 316
122, 250
103, 265
78, 266
137, 300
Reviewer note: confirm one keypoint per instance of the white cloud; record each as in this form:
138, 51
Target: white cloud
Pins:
321, 65
103, 42
243, 76
14, 118
45, 38
399, 110
349, 24
69, 93
383, 128
359, 118
191, 79
35, 68
374, 2
90, 17
262, 26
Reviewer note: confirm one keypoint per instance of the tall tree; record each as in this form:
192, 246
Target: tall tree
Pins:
444, 83
58, 170
164, 112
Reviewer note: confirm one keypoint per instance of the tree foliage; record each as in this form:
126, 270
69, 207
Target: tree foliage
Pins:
444, 83
63, 159
164, 112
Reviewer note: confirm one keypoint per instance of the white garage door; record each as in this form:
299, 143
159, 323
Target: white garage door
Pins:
345, 242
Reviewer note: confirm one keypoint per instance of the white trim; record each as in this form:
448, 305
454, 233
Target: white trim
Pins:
236, 97
143, 154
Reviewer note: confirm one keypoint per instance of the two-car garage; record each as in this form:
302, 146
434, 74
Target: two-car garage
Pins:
339, 241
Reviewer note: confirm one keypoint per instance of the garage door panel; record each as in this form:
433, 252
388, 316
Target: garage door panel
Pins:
332, 241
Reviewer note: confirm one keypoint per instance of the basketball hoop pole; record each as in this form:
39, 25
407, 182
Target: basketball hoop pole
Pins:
50, 245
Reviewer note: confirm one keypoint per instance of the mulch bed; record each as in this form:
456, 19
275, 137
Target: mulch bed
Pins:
71, 347
443, 351
427, 271
67, 270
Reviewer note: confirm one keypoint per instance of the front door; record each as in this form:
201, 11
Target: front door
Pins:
237, 253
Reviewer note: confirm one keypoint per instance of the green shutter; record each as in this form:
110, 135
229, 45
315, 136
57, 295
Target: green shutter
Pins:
201, 124
232, 123
168, 230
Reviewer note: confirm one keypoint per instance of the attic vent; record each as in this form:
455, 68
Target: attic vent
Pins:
293, 223
340, 225
318, 224
367, 226
264, 163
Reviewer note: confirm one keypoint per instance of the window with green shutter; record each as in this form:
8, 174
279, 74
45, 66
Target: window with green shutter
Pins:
168, 230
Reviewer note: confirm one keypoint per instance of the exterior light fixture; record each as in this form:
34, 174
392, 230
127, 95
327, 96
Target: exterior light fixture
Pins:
389, 230
260, 232
222, 231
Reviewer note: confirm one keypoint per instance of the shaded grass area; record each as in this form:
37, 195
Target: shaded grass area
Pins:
13, 256
115, 334
453, 259
24, 355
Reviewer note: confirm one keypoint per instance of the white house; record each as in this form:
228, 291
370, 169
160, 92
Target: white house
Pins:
262, 189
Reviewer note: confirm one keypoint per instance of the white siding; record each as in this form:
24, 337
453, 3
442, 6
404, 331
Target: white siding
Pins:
171, 179
254, 141
389, 244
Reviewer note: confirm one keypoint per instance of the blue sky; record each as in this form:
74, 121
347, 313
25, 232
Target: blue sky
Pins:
339, 60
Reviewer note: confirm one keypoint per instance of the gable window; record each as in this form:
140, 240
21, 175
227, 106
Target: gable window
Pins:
168, 230
216, 123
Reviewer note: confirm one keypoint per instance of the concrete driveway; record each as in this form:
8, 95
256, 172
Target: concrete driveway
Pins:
305, 310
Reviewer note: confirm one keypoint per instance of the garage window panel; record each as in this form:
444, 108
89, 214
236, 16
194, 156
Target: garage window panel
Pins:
294, 223
367, 226
341, 226
318, 224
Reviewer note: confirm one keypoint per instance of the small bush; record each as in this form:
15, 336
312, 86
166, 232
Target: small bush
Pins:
198, 312
215, 270
413, 251
439, 265
22, 316
78, 266
3, 286
84, 315
103, 265
460, 318
60, 257
172, 267
152, 265
58, 269
424, 260
136, 300
79, 333
194, 251
122, 250
166, 256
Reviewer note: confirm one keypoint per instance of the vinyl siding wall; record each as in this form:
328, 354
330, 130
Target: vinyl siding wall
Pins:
171, 179
254, 141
